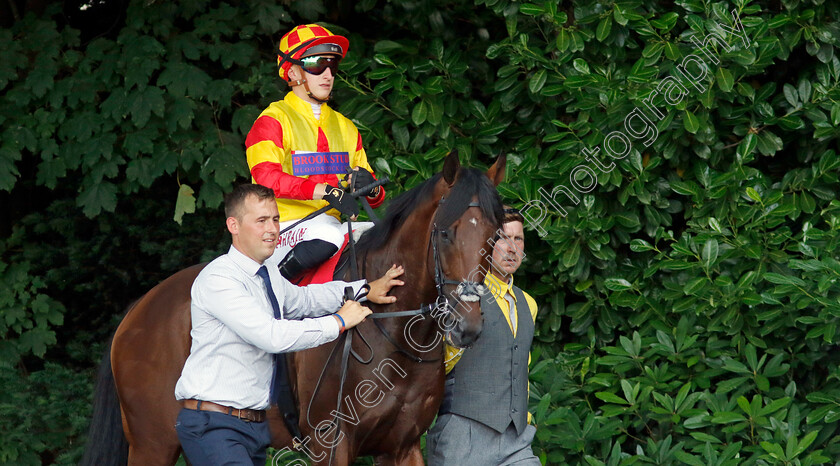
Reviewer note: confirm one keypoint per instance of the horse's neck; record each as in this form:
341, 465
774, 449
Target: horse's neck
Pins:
419, 285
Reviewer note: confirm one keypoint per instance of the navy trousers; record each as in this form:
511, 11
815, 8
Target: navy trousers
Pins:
216, 439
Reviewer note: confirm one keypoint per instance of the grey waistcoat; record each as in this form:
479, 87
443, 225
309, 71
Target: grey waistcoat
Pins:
489, 383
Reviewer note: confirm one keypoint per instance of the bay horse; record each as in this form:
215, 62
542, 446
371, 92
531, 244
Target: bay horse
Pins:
440, 231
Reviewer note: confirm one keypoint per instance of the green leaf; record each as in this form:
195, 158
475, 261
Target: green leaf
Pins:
619, 16
627, 219
695, 284
691, 122
728, 385
774, 406
611, 398
570, 257
672, 51
531, 9
804, 90
419, 114
779, 21
791, 95
735, 366
617, 284
774, 449
806, 442
400, 134
640, 245
563, 40
705, 438
380, 73
581, 65
404, 163
98, 197
780, 279
603, 29
724, 79
386, 46
710, 253
687, 188
143, 103
727, 417
36, 340
184, 203
745, 406
537, 81
8, 171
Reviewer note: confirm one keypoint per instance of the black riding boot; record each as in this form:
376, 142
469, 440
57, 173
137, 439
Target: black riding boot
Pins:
304, 256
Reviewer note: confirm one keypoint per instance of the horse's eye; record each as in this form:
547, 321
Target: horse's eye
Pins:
444, 235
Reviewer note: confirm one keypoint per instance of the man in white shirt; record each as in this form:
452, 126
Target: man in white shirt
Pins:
243, 312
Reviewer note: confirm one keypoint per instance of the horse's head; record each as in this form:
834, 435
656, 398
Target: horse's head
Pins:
467, 217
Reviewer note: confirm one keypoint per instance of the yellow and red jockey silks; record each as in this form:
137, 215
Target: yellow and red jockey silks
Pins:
290, 151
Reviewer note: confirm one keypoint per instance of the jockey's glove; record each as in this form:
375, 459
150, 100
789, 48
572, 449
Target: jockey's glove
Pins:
340, 201
362, 178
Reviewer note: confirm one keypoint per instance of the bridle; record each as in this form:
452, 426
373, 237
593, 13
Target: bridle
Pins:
463, 288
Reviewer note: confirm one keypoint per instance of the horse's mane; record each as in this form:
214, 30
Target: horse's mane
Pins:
469, 182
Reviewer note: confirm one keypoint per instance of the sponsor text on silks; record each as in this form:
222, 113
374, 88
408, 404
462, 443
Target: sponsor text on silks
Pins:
319, 163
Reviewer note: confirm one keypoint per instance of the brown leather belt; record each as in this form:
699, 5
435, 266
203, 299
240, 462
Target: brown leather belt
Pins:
248, 415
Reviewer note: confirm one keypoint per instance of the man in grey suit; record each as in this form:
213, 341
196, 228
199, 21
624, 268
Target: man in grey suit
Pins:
484, 417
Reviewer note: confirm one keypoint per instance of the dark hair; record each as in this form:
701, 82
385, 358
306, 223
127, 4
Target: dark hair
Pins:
512, 215
235, 198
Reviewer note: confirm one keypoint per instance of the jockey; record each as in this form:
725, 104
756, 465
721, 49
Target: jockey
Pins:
299, 147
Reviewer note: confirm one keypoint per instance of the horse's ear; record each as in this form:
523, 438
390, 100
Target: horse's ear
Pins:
496, 173
451, 165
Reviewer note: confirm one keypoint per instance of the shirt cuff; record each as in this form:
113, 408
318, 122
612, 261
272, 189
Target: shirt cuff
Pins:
330, 327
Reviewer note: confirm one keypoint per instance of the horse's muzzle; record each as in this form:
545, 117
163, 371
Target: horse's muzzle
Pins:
465, 333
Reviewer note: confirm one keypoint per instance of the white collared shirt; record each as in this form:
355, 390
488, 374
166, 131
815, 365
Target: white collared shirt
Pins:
234, 332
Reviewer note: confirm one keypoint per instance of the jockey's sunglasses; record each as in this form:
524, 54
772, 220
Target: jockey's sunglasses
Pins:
317, 64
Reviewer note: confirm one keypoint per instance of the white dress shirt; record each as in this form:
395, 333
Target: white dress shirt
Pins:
234, 332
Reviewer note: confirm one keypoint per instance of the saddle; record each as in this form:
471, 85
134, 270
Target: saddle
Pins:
328, 270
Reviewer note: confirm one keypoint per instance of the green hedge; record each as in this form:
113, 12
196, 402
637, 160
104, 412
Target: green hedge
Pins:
688, 287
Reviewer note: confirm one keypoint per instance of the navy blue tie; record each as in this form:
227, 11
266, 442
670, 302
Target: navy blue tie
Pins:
281, 390
263, 273
279, 360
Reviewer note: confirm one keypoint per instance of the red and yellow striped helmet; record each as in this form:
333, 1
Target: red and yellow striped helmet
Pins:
308, 39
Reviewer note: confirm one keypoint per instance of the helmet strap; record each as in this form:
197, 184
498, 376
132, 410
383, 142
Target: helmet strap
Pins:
298, 82
309, 93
